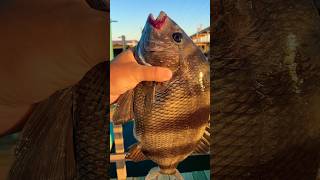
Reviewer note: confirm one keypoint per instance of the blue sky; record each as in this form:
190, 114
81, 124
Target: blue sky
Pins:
132, 15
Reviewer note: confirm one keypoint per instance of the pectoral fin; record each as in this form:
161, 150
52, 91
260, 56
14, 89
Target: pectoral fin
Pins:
203, 146
124, 110
135, 154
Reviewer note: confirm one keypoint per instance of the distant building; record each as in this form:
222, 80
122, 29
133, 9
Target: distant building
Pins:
118, 45
202, 39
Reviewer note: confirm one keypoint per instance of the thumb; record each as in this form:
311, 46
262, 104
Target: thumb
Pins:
154, 73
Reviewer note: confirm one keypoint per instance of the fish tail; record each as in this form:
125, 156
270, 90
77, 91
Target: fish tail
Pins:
164, 173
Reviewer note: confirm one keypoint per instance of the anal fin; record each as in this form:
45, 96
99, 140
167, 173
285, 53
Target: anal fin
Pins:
124, 110
135, 153
203, 146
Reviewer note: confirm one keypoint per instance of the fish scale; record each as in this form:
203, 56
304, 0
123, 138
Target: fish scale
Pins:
266, 54
65, 137
178, 98
171, 117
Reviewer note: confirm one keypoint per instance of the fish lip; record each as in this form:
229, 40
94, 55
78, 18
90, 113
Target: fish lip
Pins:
159, 22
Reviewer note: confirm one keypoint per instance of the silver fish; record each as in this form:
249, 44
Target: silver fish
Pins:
171, 118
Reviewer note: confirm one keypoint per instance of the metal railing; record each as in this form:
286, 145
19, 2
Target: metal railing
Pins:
119, 157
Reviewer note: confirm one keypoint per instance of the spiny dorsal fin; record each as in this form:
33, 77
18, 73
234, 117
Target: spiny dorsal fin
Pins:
124, 110
135, 154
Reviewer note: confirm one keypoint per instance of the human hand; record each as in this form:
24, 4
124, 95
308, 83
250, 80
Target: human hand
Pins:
45, 46
126, 73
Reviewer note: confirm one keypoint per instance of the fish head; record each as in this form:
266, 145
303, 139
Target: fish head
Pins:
163, 43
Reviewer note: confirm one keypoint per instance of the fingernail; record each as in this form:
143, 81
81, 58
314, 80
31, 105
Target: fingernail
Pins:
168, 74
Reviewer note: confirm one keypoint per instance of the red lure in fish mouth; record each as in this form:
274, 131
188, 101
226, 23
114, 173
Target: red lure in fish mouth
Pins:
159, 22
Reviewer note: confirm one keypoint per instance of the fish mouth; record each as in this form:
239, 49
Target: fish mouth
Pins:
159, 22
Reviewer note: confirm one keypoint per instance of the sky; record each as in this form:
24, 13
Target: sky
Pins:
131, 15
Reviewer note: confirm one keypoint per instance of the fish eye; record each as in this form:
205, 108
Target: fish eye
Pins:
177, 37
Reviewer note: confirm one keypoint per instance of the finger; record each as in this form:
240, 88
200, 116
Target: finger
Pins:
125, 57
153, 73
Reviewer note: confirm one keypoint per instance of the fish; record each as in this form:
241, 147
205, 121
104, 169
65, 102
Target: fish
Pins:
171, 119
265, 121
66, 135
